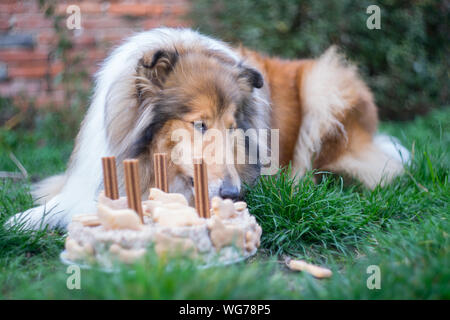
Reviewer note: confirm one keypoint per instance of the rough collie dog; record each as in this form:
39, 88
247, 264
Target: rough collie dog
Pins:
166, 80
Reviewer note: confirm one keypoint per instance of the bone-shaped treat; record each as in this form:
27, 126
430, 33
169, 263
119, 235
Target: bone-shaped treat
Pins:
120, 203
149, 206
223, 235
176, 216
166, 245
76, 251
240, 206
126, 255
251, 240
316, 271
89, 220
224, 209
118, 219
159, 195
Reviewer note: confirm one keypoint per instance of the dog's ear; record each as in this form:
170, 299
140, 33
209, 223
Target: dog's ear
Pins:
156, 67
253, 77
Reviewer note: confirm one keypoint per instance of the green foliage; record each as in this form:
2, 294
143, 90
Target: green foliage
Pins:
74, 78
153, 279
414, 261
39, 140
296, 217
309, 219
405, 62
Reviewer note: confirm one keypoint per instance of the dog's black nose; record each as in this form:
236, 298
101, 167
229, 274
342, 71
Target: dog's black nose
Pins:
229, 191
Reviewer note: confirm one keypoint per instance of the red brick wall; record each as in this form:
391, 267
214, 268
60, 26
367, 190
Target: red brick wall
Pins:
29, 60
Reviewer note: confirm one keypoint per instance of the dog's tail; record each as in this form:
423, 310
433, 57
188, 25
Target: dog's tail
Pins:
332, 92
392, 147
46, 189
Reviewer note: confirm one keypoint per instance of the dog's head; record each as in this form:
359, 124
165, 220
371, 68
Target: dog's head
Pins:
186, 95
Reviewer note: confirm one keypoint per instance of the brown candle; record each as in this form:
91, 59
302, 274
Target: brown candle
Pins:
160, 168
110, 177
133, 187
201, 188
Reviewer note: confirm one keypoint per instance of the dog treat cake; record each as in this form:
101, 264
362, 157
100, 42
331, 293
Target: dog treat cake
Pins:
124, 228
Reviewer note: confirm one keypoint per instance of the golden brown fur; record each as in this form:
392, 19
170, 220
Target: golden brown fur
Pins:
341, 112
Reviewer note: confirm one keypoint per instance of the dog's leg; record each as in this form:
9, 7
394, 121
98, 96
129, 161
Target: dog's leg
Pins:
50, 214
77, 194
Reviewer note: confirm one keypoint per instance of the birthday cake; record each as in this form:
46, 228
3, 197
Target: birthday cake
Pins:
170, 227
216, 231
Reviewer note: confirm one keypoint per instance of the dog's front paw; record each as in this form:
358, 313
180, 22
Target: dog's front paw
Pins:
38, 218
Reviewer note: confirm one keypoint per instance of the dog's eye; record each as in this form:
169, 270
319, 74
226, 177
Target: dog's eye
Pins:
200, 126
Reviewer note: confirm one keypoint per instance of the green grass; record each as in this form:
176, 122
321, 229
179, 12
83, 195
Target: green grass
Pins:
402, 228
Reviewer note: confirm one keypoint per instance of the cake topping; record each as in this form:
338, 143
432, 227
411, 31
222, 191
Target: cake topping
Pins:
252, 240
224, 209
77, 251
223, 235
240, 206
149, 206
119, 233
120, 203
166, 245
118, 219
171, 210
126, 255
159, 195
181, 217
90, 220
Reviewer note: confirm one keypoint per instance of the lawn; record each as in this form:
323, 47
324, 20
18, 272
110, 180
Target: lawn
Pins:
402, 228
